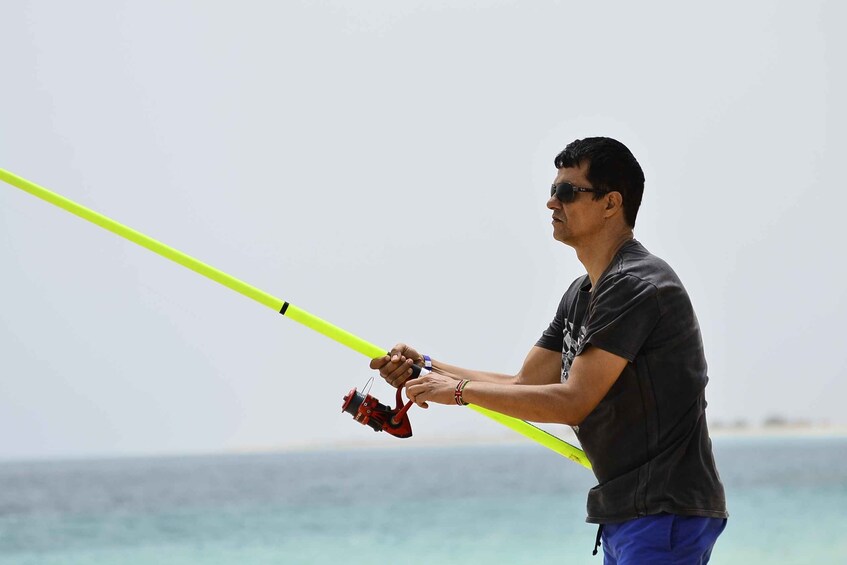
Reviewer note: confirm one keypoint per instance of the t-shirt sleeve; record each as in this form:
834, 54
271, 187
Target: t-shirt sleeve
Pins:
553, 337
624, 313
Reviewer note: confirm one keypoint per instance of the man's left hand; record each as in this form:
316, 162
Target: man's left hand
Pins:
433, 387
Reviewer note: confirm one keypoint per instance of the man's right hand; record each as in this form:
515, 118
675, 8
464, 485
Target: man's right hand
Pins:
396, 367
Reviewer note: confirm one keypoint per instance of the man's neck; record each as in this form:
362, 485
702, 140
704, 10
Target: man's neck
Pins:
596, 255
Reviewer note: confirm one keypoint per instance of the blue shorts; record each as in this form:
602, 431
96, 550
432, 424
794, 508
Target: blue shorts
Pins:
661, 538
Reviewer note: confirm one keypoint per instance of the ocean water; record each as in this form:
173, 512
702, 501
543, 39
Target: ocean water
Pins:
515, 504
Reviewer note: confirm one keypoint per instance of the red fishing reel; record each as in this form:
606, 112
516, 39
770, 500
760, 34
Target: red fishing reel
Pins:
369, 411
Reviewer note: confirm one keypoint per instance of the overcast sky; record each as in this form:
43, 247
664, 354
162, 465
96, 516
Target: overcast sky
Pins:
385, 165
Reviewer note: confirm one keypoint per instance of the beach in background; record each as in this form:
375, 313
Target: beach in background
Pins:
509, 503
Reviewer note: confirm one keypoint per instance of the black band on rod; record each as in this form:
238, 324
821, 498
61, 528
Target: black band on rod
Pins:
284, 308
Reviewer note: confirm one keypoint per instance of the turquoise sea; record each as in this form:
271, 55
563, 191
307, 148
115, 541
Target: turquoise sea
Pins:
515, 504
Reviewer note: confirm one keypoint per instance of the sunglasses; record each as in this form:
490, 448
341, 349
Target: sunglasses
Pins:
566, 192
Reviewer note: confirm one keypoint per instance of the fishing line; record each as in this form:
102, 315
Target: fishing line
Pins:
283, 307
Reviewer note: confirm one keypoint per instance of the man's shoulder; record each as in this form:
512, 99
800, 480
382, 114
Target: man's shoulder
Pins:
636, 263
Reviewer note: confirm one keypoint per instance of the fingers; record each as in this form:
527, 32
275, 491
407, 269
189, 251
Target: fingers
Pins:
379, 362
397, 371
404, 350
396, 367
415, 390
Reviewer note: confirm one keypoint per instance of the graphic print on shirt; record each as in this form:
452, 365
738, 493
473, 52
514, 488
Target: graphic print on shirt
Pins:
570, 347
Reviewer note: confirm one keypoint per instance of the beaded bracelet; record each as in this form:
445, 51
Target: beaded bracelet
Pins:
458, 394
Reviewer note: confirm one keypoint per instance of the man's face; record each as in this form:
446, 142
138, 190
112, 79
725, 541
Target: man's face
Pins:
576, 221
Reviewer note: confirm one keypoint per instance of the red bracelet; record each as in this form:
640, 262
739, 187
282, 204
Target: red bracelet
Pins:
458, 394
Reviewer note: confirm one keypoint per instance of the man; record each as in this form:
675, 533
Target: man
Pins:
622, 362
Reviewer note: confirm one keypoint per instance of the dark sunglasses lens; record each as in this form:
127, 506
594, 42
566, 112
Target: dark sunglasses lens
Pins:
564, 191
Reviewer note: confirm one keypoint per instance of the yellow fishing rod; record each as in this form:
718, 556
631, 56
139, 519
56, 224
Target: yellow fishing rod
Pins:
283, 307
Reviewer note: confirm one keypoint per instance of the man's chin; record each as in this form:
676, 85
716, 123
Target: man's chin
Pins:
559, 234
562, 237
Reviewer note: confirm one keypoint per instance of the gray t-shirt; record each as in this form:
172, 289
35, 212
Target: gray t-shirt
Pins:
647, 440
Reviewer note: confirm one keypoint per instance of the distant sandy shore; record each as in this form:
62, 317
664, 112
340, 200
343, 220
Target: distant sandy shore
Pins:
780, 431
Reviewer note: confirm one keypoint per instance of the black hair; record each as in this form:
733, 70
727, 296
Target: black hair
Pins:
611, 166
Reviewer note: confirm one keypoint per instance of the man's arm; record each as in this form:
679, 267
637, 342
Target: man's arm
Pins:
591, 376
541, 366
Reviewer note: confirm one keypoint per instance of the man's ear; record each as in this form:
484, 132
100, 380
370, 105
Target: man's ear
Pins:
614, 201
